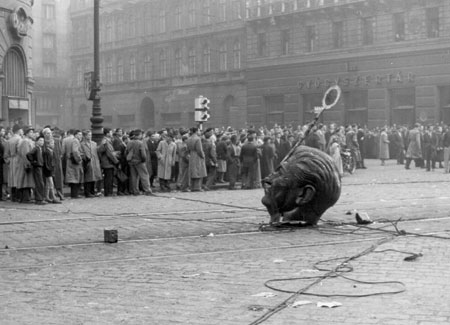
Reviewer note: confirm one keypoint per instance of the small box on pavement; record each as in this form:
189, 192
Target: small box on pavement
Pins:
111, 235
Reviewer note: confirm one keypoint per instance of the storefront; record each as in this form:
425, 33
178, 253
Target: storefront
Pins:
16, 83
398, 88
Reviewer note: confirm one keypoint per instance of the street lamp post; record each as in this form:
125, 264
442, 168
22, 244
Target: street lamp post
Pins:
97, 118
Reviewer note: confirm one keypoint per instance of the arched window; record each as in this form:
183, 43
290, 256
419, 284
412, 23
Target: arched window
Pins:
192, 61
178, 62
133, 68
237, 55
163, 64
223, 57
120, 70
206, 59
147, 66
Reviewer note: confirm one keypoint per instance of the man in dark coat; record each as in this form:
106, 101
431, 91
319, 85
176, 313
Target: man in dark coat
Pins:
430, 143
209, 149
197, 166
398, 146
36, 159
249, 159
108, 161
152, 145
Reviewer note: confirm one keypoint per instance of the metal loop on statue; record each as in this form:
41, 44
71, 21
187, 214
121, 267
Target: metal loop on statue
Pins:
314, 122
338, 96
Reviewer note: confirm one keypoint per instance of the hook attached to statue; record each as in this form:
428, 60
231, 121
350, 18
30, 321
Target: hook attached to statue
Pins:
329, 100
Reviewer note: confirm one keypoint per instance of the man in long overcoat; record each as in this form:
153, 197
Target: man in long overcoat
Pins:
108, 161
197, 167
384, 146
249, 160
91, 164
414, 147
74, 165
166, 153
25, 170
12, 158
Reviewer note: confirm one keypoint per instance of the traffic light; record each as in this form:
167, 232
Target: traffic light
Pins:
205, 113
202, 109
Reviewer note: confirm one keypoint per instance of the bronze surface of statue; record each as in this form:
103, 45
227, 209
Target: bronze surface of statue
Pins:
303, 187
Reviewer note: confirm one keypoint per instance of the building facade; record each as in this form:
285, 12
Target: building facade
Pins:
16, 78
391, 59
263, 62
51, 60
156, 57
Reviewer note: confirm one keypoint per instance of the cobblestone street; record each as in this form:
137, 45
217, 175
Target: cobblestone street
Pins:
200, 258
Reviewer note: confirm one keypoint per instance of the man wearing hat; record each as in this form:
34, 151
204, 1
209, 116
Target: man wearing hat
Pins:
197, 167
136, 157
25, 170
209, 148
108, 161
12, 158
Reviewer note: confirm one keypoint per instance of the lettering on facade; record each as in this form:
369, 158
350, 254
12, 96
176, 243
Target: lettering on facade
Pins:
358, 80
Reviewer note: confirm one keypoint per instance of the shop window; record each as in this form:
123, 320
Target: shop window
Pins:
403, 101
399, 27
432, 22
275, 110
171, 119
126, 120
356, 104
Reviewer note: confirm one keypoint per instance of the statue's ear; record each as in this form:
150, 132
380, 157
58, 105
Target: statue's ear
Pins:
305, 195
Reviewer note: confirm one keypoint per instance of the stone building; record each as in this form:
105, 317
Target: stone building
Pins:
51, 60
390, 57
16, 78
156, 57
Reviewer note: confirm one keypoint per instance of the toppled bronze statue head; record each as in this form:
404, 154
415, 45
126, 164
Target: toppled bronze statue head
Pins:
303, 187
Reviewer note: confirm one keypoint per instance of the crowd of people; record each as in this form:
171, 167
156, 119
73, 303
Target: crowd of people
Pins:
36, 165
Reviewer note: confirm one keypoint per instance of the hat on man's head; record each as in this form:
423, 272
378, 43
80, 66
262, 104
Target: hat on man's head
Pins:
16, 128
27, 129
208, 130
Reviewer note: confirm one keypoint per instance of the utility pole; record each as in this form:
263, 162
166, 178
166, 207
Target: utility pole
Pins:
97, 118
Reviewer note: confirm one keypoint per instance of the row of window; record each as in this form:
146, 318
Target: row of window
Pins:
120, 27
338, 32
126, 70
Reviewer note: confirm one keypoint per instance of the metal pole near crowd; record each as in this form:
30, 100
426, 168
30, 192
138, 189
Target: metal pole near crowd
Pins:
97, 118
